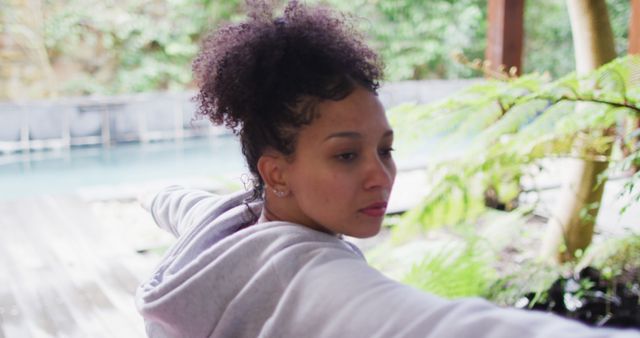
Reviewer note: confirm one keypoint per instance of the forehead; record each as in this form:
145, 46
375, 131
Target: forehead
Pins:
361, 111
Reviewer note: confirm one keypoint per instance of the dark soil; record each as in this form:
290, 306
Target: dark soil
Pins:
591, 299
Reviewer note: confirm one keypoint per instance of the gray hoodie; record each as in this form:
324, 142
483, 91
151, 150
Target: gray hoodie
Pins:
227, 278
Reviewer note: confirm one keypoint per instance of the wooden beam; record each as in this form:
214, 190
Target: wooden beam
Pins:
505, 34
634, 28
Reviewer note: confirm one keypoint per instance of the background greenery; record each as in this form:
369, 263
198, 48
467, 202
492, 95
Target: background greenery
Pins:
126, 46
508, 129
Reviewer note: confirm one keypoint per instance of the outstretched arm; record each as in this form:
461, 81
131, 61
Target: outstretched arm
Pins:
176, 209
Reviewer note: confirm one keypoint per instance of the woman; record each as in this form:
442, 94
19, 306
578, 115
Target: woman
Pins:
300, 91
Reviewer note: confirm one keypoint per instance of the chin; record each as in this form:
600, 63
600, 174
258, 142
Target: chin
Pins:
366, 232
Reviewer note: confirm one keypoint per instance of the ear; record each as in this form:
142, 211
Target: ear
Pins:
271, 167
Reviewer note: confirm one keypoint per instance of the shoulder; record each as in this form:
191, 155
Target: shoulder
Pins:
291, 247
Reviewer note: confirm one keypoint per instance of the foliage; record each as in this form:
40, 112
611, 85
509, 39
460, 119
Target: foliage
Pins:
465, 260
137, 45
505, 127
548, 43
113, 47
531, 278
455, 271
491, 135
631, 189
548, 31
617, 258
601, 289
416, 38
619, 16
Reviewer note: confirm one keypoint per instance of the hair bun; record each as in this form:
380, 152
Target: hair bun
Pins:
251, 74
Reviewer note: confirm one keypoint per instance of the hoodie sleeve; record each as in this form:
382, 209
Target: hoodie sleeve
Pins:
175, 209
347, 298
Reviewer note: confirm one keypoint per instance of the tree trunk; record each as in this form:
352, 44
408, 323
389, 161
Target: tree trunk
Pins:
571, 226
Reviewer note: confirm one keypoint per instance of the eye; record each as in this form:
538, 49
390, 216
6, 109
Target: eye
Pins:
346, 157
386, 152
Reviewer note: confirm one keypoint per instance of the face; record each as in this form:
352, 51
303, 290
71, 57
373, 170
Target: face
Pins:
342, 171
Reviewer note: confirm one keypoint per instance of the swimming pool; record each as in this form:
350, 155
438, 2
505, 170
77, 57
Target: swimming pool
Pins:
216, 157
65, 171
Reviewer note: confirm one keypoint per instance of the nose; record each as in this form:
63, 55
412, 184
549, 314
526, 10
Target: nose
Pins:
379, 173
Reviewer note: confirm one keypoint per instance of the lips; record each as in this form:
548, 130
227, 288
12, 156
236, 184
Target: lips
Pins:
376, 209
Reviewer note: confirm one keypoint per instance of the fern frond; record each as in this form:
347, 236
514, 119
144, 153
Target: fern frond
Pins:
454, 271
505, 126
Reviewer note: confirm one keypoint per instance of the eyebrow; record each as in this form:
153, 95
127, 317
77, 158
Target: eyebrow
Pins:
354, 135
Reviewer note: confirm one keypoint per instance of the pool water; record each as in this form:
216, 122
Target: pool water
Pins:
65, 171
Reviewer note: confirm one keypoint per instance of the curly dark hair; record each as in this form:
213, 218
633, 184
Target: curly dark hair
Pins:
261, 78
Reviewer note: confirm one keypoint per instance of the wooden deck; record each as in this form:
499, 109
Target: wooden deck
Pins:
62, 274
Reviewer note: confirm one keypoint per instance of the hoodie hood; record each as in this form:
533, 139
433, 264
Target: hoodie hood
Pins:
220, 269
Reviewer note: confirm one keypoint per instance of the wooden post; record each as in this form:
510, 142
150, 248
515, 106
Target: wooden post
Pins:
505, 34
25, 131
106, 126
143, 133
634, 28
178, 116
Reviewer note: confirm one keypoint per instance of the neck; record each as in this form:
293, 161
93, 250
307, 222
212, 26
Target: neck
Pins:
268, 214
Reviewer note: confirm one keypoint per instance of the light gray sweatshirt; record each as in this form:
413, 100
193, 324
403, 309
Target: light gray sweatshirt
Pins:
223, 278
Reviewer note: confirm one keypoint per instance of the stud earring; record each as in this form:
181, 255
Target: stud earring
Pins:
279, 193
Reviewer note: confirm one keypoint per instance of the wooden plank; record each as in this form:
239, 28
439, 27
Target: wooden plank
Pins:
505, 33
77, 285
93, 255
19, 260
634, 28
100, 253
28, 273
59, 313
12, 320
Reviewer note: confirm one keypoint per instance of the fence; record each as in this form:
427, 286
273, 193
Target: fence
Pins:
69, 122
